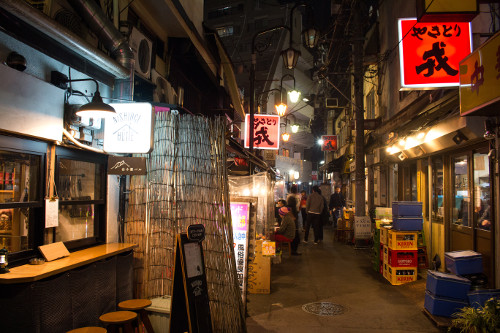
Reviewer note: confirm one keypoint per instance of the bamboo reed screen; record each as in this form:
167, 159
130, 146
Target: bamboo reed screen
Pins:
186, 183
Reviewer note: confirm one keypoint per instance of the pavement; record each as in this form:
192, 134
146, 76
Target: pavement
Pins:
304, 287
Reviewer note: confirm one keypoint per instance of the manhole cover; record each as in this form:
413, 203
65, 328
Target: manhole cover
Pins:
323, 308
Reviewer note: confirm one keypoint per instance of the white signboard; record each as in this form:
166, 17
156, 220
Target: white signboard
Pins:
362, 227
130, 131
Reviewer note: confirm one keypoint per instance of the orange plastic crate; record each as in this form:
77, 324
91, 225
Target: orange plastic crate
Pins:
402, 240
401, 275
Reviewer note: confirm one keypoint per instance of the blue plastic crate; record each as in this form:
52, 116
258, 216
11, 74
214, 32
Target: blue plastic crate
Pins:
441, 306
447, 285
477, 298
407, 223
464, 262
406, 209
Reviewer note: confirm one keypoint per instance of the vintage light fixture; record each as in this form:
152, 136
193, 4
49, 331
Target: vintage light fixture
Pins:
96, 108
281, 109
285, 136
311, 37
290, 57
295, 128
294, 94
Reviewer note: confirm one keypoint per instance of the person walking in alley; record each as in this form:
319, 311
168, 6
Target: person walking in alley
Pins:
314, 207
293, 201
336, 205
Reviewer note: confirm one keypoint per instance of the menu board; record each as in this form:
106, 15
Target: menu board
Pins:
240, 213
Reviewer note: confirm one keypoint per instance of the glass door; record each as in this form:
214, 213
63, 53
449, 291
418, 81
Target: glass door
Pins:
461, 212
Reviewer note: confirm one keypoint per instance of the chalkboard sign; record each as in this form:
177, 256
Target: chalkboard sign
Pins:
190, 311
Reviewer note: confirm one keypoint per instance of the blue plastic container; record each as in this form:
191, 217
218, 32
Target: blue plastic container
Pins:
441, 306
464, 262
407, 223
447, 285
477, 298
406, 209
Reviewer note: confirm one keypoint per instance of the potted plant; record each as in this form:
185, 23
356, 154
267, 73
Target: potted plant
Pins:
483, 319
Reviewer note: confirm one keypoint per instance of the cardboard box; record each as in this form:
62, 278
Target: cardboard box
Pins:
259, 272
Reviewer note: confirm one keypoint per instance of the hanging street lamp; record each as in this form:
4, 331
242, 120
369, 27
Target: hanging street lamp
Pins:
281, 109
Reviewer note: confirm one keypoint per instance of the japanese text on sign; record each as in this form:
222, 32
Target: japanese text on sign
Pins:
430, 52
329, 143
240, 216
265, 131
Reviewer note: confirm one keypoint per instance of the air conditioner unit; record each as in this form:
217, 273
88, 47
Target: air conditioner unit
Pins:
331, 102
143, 50
163, 90
61, 12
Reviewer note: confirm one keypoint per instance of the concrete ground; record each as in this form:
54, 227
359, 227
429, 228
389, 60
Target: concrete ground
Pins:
337, 273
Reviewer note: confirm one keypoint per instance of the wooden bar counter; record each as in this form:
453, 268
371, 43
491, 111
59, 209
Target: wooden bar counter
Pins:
69, 292
31, 273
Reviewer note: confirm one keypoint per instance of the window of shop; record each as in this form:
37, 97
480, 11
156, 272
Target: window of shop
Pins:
437, 189
481, 182
461, 193
21, 198
81, 184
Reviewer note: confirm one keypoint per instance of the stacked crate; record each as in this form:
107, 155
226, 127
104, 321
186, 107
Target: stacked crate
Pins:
376, 251
401, 254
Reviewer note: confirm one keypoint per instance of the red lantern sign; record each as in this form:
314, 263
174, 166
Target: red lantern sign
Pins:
430, 52
329, 143
266, 131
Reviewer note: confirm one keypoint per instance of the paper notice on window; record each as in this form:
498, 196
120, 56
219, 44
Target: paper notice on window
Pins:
194, 265
51, 213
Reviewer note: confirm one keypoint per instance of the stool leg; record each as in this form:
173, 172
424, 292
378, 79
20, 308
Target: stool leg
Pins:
128, 328
145, 320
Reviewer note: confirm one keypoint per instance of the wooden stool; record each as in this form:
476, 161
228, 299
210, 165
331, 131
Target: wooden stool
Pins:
119, 319
138, 305
90, 329
287, 246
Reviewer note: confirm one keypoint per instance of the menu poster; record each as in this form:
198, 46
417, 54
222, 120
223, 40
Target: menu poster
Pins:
240, 212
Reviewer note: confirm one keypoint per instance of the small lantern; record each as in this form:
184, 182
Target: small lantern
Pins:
281, 109
290, 57
295, 128
294, 95
4, 261
311, 36
285, 136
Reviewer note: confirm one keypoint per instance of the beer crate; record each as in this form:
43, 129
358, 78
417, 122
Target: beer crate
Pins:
402, 240
402, 258
401, 275
384, 234
382, 252
385, 251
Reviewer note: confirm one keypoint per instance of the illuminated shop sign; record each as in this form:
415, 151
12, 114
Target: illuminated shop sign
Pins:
130, 130
266, 131
480, 79
329, 143
240, 217
430, 52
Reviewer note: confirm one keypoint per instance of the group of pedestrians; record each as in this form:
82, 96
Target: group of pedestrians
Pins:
301, 212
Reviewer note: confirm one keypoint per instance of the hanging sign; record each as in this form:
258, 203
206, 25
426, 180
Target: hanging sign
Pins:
480, 79
125, 165
130, 130
430, 52
266, 131
196, 232
329, 143
240, 213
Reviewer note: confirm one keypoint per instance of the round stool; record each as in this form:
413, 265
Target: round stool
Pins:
139, 306
90, 329
119, 319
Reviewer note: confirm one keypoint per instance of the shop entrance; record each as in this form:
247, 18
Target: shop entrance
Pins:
471, 211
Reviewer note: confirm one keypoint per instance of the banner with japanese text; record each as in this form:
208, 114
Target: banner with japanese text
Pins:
480, 77
329, 143
266, 131
240, 213
430, 52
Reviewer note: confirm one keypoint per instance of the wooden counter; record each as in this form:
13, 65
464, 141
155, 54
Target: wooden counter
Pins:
30, 273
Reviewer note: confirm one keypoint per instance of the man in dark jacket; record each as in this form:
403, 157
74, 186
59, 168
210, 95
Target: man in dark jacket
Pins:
336, 205
314, 208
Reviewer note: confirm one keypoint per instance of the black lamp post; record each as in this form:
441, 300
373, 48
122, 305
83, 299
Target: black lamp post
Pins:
290, 58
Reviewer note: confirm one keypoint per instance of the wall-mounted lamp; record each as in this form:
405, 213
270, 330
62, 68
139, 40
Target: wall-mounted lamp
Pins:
96, 108
295, 128
285, 136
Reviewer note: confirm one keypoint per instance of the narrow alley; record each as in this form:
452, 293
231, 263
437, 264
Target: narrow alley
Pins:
340, 274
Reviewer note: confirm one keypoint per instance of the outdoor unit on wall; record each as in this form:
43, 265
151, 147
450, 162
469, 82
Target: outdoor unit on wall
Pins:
143, 50
61, 12
163, 90
331, 103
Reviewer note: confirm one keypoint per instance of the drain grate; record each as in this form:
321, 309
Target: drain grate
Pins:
323, 308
